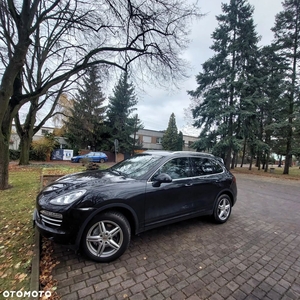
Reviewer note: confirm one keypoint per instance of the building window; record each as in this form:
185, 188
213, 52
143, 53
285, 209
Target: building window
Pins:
158, 140
147, 139
44, 131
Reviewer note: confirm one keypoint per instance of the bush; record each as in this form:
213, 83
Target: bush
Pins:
37, 155
14, 154
43, 147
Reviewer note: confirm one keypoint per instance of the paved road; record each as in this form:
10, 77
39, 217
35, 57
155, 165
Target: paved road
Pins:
255, 255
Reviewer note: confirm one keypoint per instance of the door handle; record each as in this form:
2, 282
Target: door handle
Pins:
188, 184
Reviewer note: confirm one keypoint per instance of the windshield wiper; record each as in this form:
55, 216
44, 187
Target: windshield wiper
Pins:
117, 172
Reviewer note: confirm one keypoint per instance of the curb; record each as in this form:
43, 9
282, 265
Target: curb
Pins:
35, 266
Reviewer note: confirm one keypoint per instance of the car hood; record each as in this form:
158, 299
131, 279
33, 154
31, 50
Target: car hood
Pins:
86, 180
98, 184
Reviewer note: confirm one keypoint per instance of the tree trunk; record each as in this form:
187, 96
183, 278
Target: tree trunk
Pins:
288, 161
288, 157
233, 160
25, 143
244, 152
4, 162
258, 161
263, 161
280, 161
27, 131
267, 161
4, 154
228, 159
251, 161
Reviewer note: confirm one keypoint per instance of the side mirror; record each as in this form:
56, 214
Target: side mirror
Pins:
161, 178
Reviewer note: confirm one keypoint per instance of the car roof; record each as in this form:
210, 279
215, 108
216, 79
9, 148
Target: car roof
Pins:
173, 153
182, 153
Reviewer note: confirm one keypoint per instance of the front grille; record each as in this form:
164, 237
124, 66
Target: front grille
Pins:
50, 218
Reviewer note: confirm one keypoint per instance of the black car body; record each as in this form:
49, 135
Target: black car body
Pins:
99, 210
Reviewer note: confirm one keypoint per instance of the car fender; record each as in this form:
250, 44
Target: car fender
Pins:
114, 206
227, 192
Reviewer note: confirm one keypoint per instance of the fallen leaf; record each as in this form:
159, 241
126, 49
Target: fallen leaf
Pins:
20, 276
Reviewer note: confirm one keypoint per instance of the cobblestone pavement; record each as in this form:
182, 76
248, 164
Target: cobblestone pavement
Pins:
255, 255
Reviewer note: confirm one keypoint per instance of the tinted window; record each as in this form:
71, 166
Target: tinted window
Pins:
177, 168
205, 166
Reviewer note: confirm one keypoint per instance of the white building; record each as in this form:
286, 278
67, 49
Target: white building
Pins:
151, 140
15, 140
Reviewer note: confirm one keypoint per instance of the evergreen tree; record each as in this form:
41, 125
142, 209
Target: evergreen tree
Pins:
227, 78
85, 127
180, 141
170, 140
120, 119
287, 41
272, 88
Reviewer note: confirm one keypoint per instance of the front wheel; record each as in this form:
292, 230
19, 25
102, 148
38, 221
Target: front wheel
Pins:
222, 209
106, 237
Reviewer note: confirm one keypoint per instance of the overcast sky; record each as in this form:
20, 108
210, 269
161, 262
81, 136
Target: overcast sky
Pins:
155, 107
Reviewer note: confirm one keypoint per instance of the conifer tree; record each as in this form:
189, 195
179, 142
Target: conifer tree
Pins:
170, 140
226, 78
85, 126
121, 121
180, 141
287, 41
272, 87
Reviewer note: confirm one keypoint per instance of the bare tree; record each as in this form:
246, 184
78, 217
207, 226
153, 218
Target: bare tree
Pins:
69, 36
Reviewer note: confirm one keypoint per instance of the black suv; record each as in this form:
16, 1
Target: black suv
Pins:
99, 210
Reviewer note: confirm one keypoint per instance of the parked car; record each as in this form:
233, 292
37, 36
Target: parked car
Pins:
99, 210
92, 157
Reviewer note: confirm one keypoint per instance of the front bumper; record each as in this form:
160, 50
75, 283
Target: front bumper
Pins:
56, 234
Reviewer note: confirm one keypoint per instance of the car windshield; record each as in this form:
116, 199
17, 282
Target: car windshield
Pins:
136, 166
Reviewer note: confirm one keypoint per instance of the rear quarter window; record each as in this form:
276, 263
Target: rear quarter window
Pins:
205, 166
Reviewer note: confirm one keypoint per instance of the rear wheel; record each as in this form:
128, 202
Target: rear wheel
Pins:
101, 160
106, 237
222, 209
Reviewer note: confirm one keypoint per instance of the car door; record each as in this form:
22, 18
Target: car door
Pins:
169, 201
96, 157
206, 182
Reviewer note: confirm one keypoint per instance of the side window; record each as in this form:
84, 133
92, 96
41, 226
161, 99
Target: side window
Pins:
205, 166
217, 167
177, 168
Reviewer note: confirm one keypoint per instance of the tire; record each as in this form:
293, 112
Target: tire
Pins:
106, 237
101, 160
80, 160
222, 209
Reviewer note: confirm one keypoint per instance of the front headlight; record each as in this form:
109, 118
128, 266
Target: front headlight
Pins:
68, 197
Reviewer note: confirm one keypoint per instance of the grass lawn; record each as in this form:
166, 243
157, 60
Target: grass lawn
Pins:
294, 172
17, 232
16, 208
